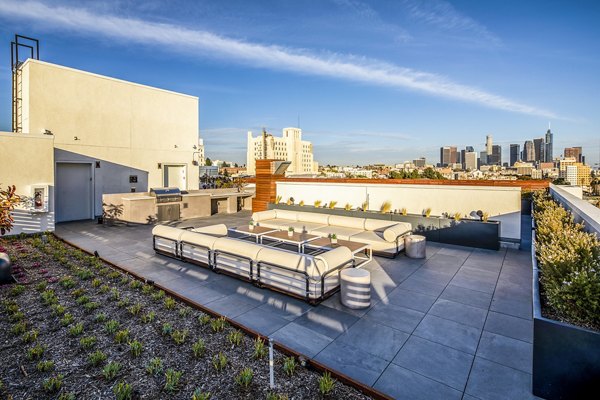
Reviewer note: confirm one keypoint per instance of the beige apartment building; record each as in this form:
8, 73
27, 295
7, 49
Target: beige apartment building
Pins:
289, 147
79, 135
576, 173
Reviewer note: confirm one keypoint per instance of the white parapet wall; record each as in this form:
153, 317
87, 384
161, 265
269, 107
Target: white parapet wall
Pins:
583, 211
501, 203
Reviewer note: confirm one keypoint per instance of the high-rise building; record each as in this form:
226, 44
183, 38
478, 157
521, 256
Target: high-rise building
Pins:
289, 147
539, 149
575, 152
514, 154
528, 154
419, 162
470, 160
549, 154
575, 172
483, 157
488, 144
496, 157
448, 155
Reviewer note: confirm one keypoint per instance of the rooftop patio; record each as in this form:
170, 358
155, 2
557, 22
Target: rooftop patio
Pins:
455, 325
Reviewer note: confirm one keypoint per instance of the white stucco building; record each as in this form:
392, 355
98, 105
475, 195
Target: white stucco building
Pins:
289, 147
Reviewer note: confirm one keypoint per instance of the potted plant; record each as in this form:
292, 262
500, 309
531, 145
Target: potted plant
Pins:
427, 212
251, 226
332, 204
386, 207
317, 203
333, 238
301, 204
291, 231
403, 211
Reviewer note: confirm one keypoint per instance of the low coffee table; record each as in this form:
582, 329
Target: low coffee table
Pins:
257, 232
362, 253
298, 239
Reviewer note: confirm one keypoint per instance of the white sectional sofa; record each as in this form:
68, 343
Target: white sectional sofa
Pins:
385, 237
312, 278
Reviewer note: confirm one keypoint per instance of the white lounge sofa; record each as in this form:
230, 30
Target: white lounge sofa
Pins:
385, 237
312, 278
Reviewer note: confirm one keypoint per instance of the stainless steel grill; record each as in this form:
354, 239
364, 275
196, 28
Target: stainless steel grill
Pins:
166, 195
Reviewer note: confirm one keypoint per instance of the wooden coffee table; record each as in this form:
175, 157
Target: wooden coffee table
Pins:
362, 253
298, 239
256, 233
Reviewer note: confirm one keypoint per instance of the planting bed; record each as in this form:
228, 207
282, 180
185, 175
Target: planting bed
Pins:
59, 315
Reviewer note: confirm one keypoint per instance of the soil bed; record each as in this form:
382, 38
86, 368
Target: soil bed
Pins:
56, 280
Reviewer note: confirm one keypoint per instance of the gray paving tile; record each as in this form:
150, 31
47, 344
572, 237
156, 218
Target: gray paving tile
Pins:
449, 333
353, 361
516, 308
473, 283
492, 381
397, 317
466, 296
285, 306
327, 321
413, 300
506, 351
401, 383
422, 286
438, 362
301, 339
374, 338
231, 306
462, 313
433, 275
334, 302
261, 321
507, 325
203, 294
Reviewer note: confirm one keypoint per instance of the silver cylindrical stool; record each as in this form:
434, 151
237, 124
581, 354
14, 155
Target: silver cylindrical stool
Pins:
355, 288
415, 246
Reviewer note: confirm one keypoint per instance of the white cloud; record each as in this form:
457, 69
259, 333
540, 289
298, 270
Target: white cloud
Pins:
201, 43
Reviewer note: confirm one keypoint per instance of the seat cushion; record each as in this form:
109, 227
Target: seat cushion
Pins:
284, 258
341, 232
286, 214
302, 226
262, 215
347, 222
391, 234
167, 232
318, 218
329, 260
281, 224
237, 247
376, 240
215, 230
375, 224
199, 239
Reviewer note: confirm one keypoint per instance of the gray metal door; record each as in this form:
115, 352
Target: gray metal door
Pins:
73, 191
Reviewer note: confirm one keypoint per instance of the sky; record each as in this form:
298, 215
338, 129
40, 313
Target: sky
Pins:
367, 81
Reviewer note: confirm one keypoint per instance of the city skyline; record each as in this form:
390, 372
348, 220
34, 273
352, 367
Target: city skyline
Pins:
366, 81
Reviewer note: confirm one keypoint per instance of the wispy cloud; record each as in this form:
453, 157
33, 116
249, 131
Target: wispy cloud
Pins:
206, 44
443, 15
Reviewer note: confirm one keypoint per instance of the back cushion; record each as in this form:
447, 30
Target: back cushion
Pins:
347, 222
317, 218
376, 224
286, 214
264, 215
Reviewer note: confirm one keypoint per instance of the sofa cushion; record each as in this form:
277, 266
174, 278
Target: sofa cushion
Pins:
329, 260
199, 239
400, 228
237, 247
281, 224
376, 240
281, 257
347, 222
262, 215
215, 230
302, 226
286, 214
341, 232
317, 218
375, 224
167, 232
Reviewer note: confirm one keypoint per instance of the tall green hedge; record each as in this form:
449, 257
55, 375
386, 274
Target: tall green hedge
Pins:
569, 262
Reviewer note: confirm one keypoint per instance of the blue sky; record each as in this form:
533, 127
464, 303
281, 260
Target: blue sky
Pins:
370, 81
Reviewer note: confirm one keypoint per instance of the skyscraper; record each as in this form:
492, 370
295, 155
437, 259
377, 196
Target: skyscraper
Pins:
448, 155
549, 151
575, 152
528, 154
514, 154
488, 144
496, 157
419, 162
463, 155
539, 149
470, 161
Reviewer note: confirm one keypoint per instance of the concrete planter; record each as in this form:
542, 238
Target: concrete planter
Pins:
484, 235
566, 358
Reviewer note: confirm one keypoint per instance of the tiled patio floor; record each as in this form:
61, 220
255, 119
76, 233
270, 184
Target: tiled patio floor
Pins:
456, 325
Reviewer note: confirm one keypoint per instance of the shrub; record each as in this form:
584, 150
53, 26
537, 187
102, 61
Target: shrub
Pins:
244, 378
167, 329
84, 274
260, 350
19, 328
218, 324
16, 290
123, 302
135, 284
104, 289
67, 319
184, 312
31, 336
111, 326
204, 319
158, 296
58, 309
78, 292
123, 391
87, 342
122, 336
111, 370
96, 358
179, 336
172, 378
18, 316
53, 384
114, 294
49, 297
67, 396
114, 275
76, 329
96, 282
67, 282
45, 366
124, 280
277, 396
332, 204
170, 303
40, 287
135, 309
91, 306
154, 366
326, 384
100, 317
198, 348
235, 337
199, 395
82, 300
386, 207
147, 289
219, 361
148, 317
136, 348
289, 366
35, 352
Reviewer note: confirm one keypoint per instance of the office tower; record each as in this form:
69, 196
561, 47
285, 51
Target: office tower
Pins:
575, 152
514, 154
528, 154
448, 155
549, 143
419, 162
488, 144
496, 157
538, 147
483, 158
470, 161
